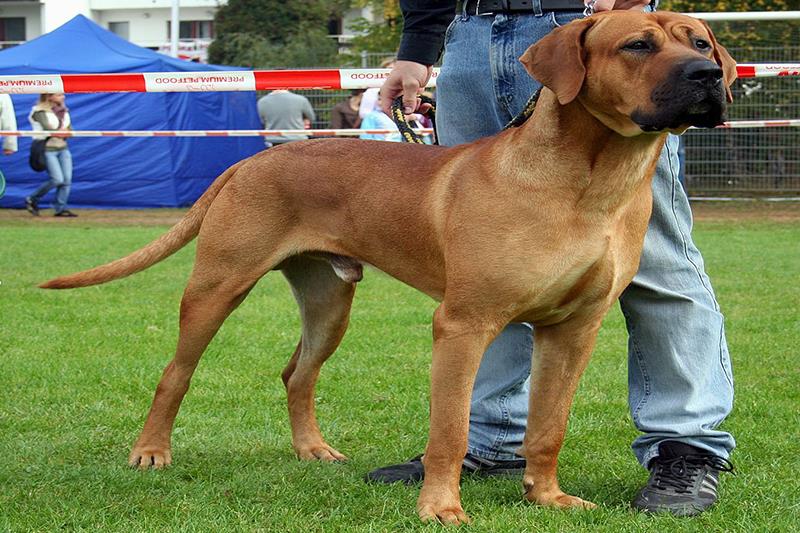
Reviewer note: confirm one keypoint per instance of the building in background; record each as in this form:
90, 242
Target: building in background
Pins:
143, 22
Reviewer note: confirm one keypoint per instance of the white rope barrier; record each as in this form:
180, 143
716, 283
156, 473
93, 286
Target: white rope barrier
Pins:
790, 123
208, 133
747, 15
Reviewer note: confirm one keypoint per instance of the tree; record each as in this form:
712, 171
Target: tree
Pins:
274, 33
381, 36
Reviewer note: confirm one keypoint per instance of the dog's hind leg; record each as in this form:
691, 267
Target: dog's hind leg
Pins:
324, 301
211, 295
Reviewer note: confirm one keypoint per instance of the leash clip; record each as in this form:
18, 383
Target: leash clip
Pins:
588, 11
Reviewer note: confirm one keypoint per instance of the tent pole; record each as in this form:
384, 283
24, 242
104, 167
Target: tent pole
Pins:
175, 28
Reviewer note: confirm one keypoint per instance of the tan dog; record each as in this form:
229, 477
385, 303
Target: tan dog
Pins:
543, 223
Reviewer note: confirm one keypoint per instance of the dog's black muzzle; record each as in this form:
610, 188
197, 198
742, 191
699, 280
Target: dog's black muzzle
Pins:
693, 95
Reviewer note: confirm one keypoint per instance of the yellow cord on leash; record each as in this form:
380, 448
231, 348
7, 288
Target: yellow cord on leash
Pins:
399, 118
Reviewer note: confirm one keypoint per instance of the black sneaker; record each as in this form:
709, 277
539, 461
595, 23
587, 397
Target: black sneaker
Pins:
65, 213
32, 206
683, 480
412, 470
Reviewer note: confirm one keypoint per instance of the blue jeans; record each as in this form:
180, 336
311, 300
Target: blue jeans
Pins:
679, 371
59, 168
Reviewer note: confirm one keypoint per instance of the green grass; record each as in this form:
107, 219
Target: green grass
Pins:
79, 369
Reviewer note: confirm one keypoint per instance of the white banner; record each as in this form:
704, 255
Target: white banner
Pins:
361, 78
199, 81
45, 83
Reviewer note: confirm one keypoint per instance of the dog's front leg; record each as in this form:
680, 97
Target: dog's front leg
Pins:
561, 354
458, 345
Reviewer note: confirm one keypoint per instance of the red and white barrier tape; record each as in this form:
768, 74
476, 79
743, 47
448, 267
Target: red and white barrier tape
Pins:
767, 70
793, 123
256, 80
790, 123
159, 82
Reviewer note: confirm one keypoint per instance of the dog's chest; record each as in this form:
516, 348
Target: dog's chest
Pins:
581, 278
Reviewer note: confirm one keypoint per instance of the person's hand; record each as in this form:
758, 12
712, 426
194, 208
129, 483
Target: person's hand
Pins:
608, 5
6, 151
409, 79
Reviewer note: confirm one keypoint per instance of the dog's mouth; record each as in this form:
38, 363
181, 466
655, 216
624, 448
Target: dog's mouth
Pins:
700, 108
707, 112
692, 96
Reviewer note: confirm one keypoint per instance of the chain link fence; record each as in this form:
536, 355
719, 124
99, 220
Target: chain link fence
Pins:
323, 101
752, 161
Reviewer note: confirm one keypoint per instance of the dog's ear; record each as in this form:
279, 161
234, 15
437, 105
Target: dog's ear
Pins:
723, 59
556, 61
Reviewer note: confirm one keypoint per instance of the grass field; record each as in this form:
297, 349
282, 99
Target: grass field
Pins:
79, 369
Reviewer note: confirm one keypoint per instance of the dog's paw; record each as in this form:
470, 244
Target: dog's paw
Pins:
319, 452
560, 500
452, 515
565, 501
443, 507
145, 457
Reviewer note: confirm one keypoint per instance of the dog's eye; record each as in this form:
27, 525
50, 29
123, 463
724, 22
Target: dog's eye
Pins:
638, 46
702, 44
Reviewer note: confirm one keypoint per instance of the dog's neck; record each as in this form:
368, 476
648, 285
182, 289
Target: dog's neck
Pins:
604, 168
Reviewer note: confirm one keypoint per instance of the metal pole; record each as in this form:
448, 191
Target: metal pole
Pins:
175, 28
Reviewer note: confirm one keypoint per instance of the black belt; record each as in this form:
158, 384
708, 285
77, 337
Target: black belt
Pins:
491, 7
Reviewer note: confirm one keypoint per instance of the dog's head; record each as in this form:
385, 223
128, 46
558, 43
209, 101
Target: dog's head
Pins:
637, 72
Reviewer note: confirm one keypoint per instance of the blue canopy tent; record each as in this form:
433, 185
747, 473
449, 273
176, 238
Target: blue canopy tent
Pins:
112, 172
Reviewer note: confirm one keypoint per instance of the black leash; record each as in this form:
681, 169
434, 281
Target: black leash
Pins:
526, 112
399, 118
410, 136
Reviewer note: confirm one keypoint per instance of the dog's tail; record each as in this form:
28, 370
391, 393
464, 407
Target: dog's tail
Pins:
176, 238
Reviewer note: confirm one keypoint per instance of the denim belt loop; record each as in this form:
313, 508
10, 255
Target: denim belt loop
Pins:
537, 8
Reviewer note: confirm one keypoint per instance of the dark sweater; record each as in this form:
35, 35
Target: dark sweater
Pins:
424, 25
344, 117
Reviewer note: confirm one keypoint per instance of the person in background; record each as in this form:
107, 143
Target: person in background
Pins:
344, 115
8, 122
285, 110
378, 120
51, 114
371, 96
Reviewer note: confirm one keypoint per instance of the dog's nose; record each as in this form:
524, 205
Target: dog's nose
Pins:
704, 72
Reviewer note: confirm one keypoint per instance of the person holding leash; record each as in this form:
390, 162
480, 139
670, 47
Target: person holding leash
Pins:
679, 370
50, 114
